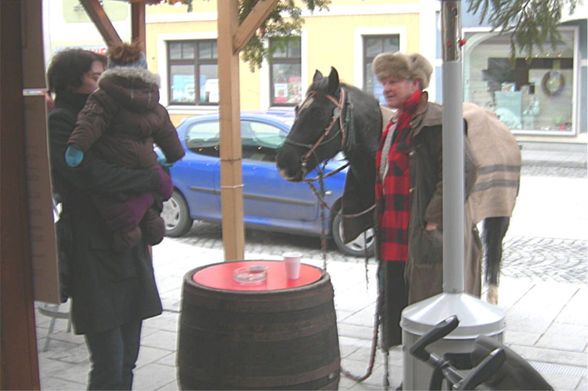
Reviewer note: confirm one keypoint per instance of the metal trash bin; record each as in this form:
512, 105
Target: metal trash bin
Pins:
475, 316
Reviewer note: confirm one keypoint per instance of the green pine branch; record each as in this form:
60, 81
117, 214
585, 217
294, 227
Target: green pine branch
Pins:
530, 23
283, 23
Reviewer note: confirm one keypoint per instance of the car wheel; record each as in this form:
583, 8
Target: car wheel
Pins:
176, 216
357, 246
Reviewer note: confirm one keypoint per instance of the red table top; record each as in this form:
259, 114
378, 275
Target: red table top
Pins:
220, 276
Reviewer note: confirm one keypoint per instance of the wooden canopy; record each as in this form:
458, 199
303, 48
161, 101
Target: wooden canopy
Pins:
18, 350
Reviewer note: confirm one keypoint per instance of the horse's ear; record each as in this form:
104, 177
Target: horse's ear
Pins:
333, 81
317, 76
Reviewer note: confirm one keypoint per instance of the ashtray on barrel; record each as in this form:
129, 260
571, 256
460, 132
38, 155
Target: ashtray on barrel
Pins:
250, 275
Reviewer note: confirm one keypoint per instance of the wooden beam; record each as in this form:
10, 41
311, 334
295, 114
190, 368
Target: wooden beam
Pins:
230, 133
256, 17
19, 367
138, 24
101, 21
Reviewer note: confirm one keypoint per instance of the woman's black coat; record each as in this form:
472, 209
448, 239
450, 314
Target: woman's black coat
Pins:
107, 289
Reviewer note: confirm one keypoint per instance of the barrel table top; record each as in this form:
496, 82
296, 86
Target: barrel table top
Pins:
220, 276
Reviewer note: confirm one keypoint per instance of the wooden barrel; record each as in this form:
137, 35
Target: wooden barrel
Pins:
275, 339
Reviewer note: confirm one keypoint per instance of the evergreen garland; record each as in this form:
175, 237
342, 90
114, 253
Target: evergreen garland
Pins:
284, 23
531, 23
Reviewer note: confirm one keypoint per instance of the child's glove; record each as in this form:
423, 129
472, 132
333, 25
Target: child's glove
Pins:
163, 162
73, 155
161, 159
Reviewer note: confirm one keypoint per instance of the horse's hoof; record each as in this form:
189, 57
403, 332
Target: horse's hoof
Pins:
492, 294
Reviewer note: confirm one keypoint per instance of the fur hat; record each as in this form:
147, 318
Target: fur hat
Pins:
402, 66
126, 55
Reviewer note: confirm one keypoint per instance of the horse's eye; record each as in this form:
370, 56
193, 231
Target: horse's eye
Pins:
296, 109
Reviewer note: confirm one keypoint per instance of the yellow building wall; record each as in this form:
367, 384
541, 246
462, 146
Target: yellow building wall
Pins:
330, 42
249, 81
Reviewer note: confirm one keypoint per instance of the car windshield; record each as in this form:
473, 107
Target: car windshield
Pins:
260, 140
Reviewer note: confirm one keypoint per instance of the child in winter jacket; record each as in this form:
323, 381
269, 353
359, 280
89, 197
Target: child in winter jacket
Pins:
120, 122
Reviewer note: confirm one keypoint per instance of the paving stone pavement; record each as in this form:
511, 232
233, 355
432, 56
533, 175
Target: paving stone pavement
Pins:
547, 259
543, 291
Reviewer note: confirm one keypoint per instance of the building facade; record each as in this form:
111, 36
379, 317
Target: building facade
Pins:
542, 97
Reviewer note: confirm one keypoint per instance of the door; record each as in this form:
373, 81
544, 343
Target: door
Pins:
198, 176
267, 197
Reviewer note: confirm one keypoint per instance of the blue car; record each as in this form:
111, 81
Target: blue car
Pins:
269, 201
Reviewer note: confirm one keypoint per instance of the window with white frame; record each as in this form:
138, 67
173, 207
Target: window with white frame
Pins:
193, 72
530, 94
285, 72
372, 46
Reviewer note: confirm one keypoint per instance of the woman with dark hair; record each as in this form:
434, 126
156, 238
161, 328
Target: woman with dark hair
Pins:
111, 292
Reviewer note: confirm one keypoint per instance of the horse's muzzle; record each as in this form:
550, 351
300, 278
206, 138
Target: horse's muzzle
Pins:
289, 177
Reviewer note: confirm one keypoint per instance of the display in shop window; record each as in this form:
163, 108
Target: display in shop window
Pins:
553, 83
288, 92
281, 92
183, 88
209, 90
294, 87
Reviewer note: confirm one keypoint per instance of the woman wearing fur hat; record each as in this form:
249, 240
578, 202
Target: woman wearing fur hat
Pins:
409, 192
120, 122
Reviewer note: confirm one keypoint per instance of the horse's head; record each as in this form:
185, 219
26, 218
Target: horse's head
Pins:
317, 133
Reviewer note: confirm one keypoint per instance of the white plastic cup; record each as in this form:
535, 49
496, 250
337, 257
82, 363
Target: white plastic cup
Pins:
292, 262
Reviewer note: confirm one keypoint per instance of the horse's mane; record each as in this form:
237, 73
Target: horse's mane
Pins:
356, 90
322, 85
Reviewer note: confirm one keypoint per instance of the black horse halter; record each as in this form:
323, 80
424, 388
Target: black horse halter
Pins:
337, 115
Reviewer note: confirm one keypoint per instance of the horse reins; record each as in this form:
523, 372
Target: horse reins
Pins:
338, 115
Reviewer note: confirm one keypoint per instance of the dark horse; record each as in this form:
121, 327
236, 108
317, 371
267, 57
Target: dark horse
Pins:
338, 117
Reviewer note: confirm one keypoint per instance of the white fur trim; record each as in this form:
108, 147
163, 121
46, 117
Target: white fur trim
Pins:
127, 72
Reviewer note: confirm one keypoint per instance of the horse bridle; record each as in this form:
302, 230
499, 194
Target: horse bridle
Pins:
337, 115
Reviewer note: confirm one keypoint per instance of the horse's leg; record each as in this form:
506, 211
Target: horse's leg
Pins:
494, 230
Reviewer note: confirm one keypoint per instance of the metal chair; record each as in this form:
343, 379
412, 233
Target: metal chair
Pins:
54, 312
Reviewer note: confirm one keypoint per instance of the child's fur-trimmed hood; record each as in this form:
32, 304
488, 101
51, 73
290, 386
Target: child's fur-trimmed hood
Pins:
130, 72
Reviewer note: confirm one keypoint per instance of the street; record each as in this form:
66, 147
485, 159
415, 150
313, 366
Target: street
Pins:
546, 238
542, 292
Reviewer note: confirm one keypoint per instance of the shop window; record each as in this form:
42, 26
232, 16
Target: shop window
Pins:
372, 46
285, 73
528, 94
189, 61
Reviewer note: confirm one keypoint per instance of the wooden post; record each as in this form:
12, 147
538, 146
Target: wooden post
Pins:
101, 21
230, 133
18, 352
232, 37
138, 24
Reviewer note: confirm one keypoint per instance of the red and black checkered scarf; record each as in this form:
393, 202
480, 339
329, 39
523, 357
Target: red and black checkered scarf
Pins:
392, 191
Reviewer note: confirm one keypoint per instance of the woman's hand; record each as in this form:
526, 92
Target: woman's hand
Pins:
430, 227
